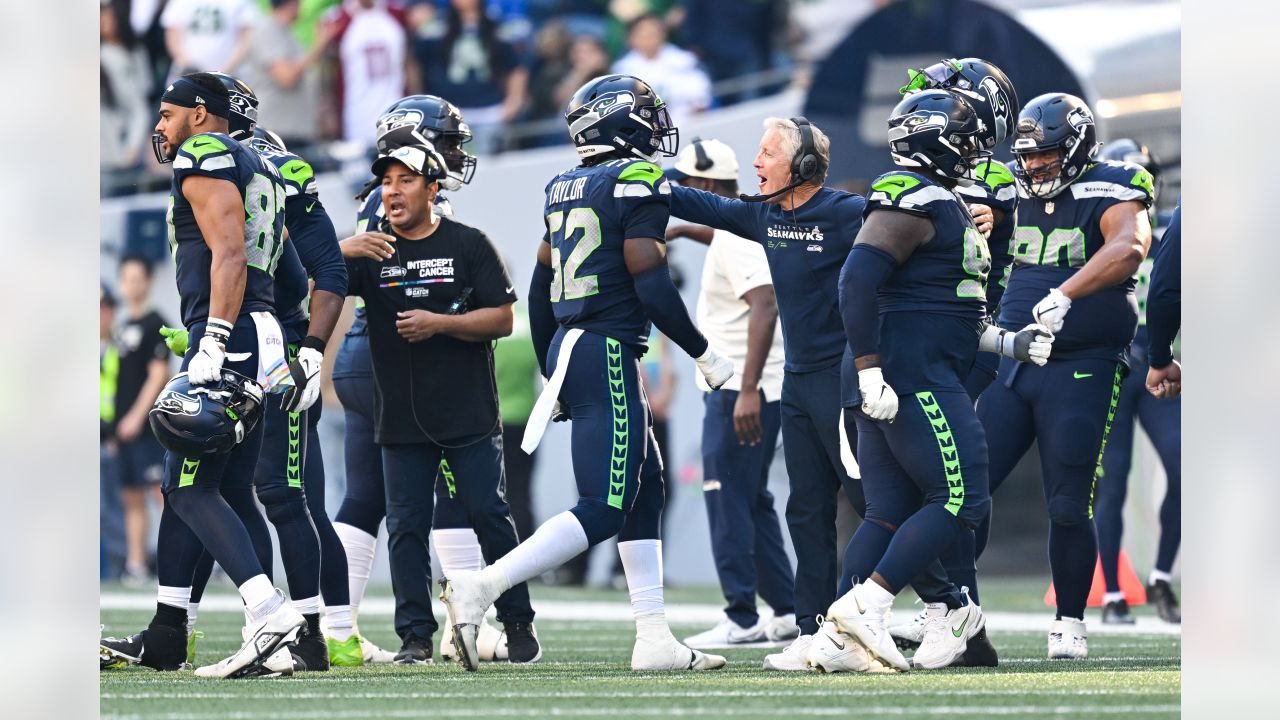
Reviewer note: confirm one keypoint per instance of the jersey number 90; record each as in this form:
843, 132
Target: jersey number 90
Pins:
566, 282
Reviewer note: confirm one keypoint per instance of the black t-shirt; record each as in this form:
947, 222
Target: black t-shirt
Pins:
441, 389
139, 342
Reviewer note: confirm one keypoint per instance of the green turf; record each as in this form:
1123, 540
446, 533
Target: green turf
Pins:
584, 673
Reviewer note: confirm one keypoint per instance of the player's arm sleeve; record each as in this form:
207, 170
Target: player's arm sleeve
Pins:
493, 286
313, 236
654, 288
542, 317
1164, 301
864, 271
706, 208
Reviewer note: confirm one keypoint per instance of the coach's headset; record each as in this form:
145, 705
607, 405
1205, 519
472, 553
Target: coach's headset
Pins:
804, 166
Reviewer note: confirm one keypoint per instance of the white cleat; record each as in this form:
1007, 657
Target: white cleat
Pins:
947, 637
1068, 640
832, 651
792, 658
491, 642
908, 635
467, 598
865, 623
727, 634
781, 628
374, 654
666, 653
264, 638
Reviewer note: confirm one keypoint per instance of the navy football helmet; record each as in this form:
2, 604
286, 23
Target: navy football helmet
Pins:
1059, 122
197, 420
1131, 151
939, 132
620, 116
244, 106
431, 120
264, 139
984, 85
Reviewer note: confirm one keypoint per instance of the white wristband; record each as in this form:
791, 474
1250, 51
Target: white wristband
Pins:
219, 329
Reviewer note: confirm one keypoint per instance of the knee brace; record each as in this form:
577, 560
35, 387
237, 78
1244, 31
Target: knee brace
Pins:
1068, 510
284, 505
599, 521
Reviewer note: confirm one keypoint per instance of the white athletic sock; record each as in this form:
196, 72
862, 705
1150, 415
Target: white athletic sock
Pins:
192, 610
554, 543
260, 596
1158, 575
1111, 597
458, 549
642, 564
338, 618
179, 597
308, 606
359, 546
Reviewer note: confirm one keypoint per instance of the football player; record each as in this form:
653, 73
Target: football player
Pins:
1162, 422
600, 279
226, 230
437, 122
1082, 233
913, 301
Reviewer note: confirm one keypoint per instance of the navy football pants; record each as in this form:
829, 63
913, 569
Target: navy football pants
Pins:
746, 537
1162, 421
1068, 407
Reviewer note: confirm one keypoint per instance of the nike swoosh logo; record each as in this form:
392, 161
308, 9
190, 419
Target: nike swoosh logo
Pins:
198, 142
895, 183
513, 287
957, 632
313, 204
837, 644
1080, 376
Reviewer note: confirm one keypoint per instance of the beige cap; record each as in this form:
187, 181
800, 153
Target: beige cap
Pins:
710, 159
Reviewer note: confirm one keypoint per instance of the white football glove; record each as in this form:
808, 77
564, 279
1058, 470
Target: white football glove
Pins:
206, 366
1032, 343
305, 370
879, 401
1051, 312
716, 370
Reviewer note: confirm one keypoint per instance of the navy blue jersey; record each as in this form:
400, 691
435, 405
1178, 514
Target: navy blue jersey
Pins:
259, 184
806, 248
368, 218
1053, 240
996, 189
589, 213
932, 306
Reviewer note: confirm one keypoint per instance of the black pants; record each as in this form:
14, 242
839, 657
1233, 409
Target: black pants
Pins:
410, 475
519, 479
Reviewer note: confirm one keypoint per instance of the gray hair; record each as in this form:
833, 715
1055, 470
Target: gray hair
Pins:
790, 134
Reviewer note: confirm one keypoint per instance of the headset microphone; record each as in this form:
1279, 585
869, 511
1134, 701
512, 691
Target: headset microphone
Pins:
770, 196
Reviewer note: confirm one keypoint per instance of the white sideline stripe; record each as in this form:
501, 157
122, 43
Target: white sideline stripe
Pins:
680, 614
273, 694
894, 710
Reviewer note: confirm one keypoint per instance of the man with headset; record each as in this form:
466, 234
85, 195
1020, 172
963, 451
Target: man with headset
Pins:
807, 231
434, 306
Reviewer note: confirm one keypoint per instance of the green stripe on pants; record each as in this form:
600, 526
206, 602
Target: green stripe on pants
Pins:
946, 448
618, 393
1106, 431
293, 467
188, 475
450, 485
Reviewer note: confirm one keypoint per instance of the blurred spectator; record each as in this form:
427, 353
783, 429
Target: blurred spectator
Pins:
587, 59
208, 35
671, 71
144, 18
110, 528
515, 367
123, 81
310, 19
733, 37
465, 61
282, 75
373, 63
624, 12
550, 67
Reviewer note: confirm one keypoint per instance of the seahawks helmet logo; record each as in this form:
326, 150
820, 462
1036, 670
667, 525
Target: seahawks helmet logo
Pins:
399, 119
610, 103
241, 106
1079, 118
175, 403
999, 102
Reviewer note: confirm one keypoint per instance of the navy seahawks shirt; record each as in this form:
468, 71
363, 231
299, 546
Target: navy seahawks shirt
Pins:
806, 248
1053, 240
312, 248
996, 189
589, 212
933, 305
218, 156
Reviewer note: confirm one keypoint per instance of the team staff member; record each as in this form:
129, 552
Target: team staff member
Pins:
433, 309
807, 231
738, 313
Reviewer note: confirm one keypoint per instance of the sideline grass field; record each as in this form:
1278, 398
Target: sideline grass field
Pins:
584, 673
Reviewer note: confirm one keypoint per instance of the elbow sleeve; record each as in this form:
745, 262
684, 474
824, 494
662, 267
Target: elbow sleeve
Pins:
663, 305
542, 318
865, 271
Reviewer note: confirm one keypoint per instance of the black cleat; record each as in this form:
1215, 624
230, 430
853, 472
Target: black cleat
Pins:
1160, 593
310, 653
979, 652
416, 650
158, 647
1117, 612
522, 643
